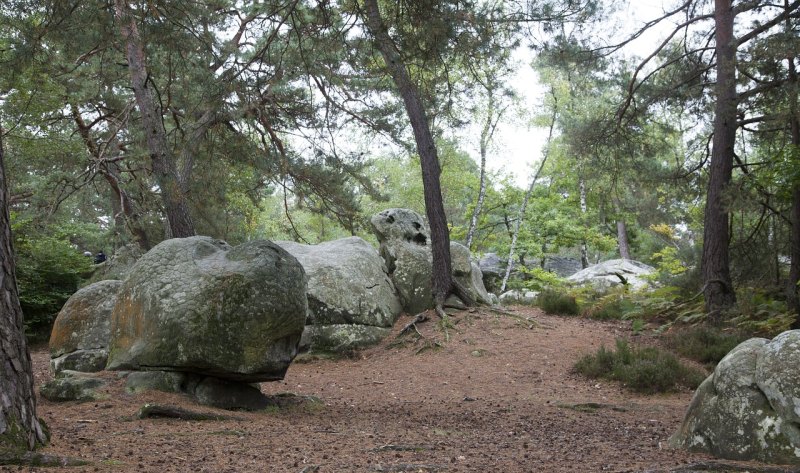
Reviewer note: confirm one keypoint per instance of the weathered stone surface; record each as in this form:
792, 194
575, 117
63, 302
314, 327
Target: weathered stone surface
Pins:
74, 386
79, 339
519, 297
118, 265
341, 338
88, 361
563, 267
166, 381
777, 374
198, 305
230, 395
405, 247
493, 270
347, 283
613, 272
731, 416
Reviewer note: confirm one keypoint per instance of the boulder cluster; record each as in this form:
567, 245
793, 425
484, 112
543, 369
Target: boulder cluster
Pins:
198, 316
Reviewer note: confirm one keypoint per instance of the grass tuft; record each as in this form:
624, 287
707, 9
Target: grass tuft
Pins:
646, 370
704, 344
557, 302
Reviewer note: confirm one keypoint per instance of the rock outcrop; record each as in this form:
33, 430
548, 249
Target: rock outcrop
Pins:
613, 273
81, 331
352, 301
405, 247
749, 408
197, 305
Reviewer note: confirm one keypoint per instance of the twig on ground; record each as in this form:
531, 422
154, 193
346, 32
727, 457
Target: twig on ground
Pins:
421, 317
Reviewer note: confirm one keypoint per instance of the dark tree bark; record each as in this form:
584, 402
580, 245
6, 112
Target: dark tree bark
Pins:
794, 270
124, 208
718, 286
173, 193
622, 240
584, 248
443, 283
20, 429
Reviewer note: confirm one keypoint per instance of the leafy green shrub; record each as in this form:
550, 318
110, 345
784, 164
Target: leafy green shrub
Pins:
538, 279
761, 313
611, 306
557, 302
704, 344
49, 271
646, 370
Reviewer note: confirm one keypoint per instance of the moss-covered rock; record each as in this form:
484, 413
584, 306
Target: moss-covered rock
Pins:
197, 305
341, 338
79, 339
74, 386
746, 409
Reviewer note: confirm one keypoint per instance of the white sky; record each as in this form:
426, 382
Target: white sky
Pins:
517, 147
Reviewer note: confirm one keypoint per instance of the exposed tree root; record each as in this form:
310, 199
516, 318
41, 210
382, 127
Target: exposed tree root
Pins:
421, 317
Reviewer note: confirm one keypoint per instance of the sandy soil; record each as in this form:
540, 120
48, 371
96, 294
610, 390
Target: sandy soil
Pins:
499, 396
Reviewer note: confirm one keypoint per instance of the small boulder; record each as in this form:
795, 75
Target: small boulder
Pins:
197, 305
613, 273
515, 296
747, 409
342, 338
164, 381
79, 339
74, 386
230, 395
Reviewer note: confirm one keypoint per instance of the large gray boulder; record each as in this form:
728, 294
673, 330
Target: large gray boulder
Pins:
79, 339
352, 301
748, 408
613, 273
197, 305
405, 247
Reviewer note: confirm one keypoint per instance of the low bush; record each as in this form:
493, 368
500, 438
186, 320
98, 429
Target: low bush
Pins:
557, 302
645, 370
704, 344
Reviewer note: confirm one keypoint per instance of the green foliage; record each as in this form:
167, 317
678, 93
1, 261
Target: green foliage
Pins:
49, 271
645, 370
557, 302
760, 313
614, 305
704, 344
538, 279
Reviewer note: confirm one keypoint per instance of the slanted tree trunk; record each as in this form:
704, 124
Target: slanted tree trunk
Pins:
521, 215
173, 193
123, 205
443, 283
718, 286
622, 240
20, 429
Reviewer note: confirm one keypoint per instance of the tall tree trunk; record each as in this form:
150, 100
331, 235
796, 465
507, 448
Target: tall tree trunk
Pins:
794, 116
521, 215
622, 240
442, 282
718, 286
584, 208
20, 429
487, 132
173, 192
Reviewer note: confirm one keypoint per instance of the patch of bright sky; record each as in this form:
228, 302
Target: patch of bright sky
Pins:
518, 146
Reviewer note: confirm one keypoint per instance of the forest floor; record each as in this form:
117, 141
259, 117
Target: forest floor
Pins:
499, 396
